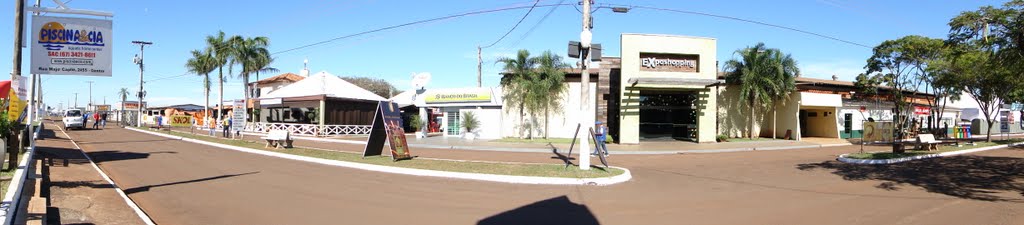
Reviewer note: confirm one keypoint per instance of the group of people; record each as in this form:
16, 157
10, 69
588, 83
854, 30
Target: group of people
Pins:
225, 125
99, 119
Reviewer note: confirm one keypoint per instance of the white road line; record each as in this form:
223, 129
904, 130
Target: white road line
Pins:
145, 218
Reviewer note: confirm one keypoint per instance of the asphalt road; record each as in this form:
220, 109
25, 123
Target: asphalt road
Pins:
178, 182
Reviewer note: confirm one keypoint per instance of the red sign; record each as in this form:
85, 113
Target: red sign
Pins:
921, 110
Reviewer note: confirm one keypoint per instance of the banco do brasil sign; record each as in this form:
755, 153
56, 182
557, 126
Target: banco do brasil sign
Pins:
477, 95
71, 46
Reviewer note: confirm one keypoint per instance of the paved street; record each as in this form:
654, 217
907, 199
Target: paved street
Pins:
177, 182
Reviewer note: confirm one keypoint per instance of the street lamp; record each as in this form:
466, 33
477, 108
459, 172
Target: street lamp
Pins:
586, 38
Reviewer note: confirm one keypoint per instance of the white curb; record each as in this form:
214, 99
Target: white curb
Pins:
843, 158
625, 176
13, 196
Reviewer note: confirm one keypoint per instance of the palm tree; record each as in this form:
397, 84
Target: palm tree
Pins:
124, 93
220, 47
203, 63
550, 84
764, 76
254, 57
515, 83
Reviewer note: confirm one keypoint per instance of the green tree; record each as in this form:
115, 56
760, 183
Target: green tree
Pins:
764, 76
378, 86
253, 56
202, 64
867, 91
220, 46
549, 86
124, 93
515, 83
903, 63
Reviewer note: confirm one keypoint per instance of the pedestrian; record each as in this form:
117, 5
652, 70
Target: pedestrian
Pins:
601, 135
85, 120
212, 126
227, 124
103, 120
96, 121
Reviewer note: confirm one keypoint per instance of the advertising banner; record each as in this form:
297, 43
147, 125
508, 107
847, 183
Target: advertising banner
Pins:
71, 46
387, 127
181, 121
238, 115
18, 94
102, 108
878, 131
921, 110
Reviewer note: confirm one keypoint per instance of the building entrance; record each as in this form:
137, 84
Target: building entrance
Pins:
668, 115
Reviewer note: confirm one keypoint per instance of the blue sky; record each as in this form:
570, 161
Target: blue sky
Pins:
447, 48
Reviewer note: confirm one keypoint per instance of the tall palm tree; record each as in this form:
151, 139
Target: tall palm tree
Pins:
764, 76
515, 82
124, 93
203, 63
253, 56
220, 47
550, 84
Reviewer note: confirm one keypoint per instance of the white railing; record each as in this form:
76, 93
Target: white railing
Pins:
309, 129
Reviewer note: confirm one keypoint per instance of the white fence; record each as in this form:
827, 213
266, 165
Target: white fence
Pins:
309, 129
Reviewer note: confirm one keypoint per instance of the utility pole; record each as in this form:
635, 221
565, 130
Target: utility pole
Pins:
585, 121
19, 30
139, 60
76, 99
90, 93
479, 68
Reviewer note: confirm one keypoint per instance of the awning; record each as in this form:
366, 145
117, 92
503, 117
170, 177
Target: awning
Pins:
672, 82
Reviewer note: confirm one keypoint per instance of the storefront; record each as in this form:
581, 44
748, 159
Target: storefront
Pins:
444, 110
666, 89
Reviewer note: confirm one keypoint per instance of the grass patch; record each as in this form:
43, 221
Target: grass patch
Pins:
7, 175
941, 149
516, 169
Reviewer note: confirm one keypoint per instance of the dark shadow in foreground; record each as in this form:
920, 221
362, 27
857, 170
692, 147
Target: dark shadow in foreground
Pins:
984, 178
558, 210
147, 187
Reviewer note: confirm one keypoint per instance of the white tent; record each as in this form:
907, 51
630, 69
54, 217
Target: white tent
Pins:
324, 83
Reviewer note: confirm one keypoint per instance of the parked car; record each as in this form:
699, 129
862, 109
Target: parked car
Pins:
73, 119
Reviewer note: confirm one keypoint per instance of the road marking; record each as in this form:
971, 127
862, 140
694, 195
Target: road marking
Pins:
145, 218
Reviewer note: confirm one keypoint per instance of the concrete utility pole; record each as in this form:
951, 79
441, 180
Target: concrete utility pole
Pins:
479, 68
585, 120
90, 93
139, 60
76, 99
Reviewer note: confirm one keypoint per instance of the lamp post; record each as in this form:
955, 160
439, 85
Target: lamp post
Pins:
586, 120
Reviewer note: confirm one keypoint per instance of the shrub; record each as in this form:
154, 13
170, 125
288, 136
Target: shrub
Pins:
722, 138
415, 122
470, 122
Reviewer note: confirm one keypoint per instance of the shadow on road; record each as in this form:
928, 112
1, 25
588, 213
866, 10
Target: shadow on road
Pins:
558, 210
107, 156
984, 178
147, 187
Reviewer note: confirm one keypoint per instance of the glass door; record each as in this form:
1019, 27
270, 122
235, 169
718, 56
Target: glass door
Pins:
454, 124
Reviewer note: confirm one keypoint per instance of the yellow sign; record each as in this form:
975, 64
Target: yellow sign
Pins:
16, 107
480, 95
878, 131
181, 121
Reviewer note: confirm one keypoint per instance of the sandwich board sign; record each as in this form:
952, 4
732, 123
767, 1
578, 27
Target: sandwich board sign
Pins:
387, 127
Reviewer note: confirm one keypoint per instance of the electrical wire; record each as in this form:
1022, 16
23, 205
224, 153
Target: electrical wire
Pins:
742, 20
517, 25
542, 19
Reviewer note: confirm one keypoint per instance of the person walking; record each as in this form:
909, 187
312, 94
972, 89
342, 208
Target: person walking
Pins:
85, 120
601, 135
96, 121
103, 120
227, 125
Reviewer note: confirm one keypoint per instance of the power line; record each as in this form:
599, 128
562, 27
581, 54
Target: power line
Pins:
542, 19
742, 20
517, 25
416, 22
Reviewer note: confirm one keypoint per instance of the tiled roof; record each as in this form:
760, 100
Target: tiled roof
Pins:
282, 77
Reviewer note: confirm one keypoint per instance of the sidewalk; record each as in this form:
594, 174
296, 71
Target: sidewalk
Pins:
78, 194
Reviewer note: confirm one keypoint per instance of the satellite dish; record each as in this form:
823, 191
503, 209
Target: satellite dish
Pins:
420, 80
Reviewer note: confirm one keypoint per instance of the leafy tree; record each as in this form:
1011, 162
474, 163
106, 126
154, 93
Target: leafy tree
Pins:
867, 91
202, 63
378, 86
903, 63
515, 82
764, 76
220, 46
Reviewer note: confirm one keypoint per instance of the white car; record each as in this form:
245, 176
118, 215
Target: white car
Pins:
73, 119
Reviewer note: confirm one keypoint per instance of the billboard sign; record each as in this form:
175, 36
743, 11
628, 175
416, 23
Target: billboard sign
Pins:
181, 120
387, 127
71, 46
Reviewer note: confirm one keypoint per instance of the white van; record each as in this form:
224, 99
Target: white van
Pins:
73, 118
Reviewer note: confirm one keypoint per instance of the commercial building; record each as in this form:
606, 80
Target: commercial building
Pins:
446, 108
